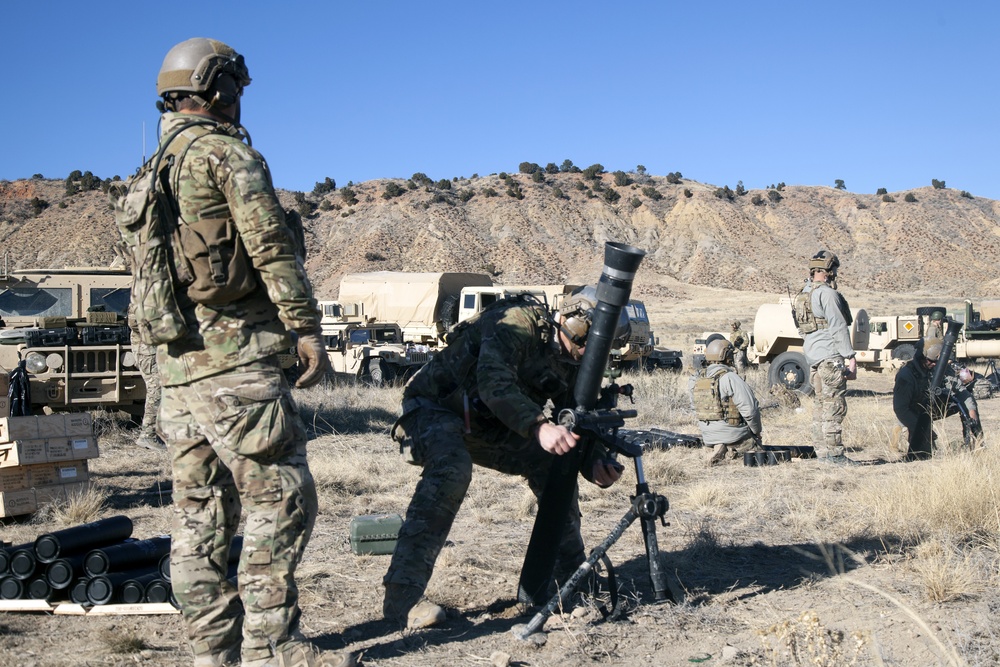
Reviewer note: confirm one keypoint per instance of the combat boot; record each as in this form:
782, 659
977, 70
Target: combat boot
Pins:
304, 654
406, 606
150, 441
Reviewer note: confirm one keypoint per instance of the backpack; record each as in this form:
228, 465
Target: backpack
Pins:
147, 221
708, 403
802, 312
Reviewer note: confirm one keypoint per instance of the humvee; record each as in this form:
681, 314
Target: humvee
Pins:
69, 327
369, 351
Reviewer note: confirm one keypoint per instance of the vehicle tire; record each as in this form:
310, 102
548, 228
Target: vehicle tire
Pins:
904, 352
791, 370
375, 373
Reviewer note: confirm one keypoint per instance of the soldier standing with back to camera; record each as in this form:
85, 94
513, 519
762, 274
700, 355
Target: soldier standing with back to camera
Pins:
824, 320
481, 400
725, 406
232, 428
740, 341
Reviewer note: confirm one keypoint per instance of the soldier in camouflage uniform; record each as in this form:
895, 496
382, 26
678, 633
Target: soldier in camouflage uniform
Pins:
740, 341
481, 401
830, 355
145, 356
935, 326
232, 429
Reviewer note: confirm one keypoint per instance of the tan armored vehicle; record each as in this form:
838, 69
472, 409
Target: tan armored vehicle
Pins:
69, 327
369, 351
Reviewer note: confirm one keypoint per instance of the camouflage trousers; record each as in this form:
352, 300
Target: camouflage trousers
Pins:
145, 356
434, 438
236, 441
829, 405
740, 362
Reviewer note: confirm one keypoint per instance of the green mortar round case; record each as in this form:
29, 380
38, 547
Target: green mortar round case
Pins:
375, 533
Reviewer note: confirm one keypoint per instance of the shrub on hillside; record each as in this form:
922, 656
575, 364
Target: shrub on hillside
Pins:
635, 202
420, 178
888, 198
724, 193
393, 190
966, 195
674, 177
444, 184
909, 197
567, 167
622, 179
593, 171
514, 190
38, 205
774, 196
611, 195
839, 184
489, 192
328, 185
757, 200
551, 168
937, 185
881, 191
349, 196
688, 193
538, 176
528, 168
466, 195
652, 193
558, 193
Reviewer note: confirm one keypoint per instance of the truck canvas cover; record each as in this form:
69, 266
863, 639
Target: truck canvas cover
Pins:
412, 300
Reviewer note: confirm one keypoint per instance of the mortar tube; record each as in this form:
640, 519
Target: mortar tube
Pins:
11, 588
23, 563
131, 554
70, 541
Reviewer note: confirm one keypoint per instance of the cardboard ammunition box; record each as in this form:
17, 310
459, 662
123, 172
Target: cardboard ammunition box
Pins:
375, 533
51, 474
15, 479
14, 503
79, 423
18, 428
51, 426
47, 450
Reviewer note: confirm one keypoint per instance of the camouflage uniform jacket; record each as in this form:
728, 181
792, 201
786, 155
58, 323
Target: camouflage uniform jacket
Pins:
740, 340
835, 338
221, 175
500, 373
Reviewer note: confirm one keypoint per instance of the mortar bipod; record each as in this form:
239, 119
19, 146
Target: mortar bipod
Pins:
648, 507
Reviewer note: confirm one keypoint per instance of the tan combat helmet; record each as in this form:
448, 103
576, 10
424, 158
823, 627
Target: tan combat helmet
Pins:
206, 70
719, 351
824, 260
933, 351
578, 314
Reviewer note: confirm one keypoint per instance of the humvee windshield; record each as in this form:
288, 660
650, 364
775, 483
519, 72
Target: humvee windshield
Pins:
114, 299
36, 301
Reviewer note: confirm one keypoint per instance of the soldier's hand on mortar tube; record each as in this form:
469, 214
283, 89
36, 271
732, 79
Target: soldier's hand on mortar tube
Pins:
607, 472
556, 439
312, 353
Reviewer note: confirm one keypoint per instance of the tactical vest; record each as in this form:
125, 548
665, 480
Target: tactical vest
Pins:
802, 311
213, 263
708, 403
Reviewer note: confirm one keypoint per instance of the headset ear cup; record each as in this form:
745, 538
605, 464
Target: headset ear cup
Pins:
578, 328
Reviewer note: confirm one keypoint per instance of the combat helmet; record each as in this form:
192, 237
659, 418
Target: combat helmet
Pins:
933, 351
937, 315
578, 315
206, 70
719, 351
824, 260
735, 324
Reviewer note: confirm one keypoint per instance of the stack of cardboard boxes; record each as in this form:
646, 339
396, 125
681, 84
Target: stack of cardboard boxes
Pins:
43, 458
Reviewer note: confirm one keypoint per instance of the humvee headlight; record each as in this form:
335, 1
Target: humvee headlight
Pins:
35, 362
54, 361
128, 359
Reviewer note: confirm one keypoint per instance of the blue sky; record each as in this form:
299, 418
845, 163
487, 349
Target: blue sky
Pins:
879, 94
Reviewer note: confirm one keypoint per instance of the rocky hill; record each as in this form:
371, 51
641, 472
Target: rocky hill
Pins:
551, 229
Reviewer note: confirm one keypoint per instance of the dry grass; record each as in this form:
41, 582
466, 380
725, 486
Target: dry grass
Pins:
123, 641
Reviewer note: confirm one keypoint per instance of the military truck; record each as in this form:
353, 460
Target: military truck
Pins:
68, 326
368, 351
881, 343
424, 305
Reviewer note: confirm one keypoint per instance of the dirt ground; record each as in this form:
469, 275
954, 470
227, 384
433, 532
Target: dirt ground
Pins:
801, 563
